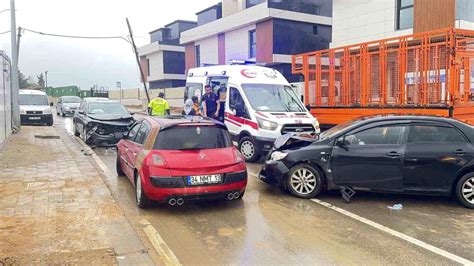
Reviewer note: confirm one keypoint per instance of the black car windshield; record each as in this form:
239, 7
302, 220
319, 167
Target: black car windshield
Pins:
334, 131
31, 99
71, 99
192, 138
107, 108
273, 98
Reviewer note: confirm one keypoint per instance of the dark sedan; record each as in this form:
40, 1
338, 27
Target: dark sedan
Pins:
399, 154
101, 123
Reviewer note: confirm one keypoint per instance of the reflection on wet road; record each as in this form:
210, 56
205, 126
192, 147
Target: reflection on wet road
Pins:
270, 227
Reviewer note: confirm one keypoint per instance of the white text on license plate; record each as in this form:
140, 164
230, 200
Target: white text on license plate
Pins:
204, 179
34, 118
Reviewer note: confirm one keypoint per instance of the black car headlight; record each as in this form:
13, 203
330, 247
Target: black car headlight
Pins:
278, 156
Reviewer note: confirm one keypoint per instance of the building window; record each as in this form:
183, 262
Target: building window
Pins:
148, 66
198, 55
404, 14
315, 30
251, 3
252, 44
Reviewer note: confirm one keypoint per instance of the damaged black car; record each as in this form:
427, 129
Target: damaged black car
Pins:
101, 123
394, 154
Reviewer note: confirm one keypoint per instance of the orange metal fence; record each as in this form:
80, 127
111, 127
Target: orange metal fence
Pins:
431, 69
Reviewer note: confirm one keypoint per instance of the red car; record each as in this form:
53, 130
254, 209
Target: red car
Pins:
178, 159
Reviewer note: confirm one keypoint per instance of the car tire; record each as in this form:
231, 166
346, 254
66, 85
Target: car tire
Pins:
83, 136
76, 133
248, 149
465, 190
304, 181
143, 201
118, 165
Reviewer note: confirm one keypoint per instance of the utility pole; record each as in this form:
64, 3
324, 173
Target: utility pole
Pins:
46, 79
14, 73
138, 62
18, 45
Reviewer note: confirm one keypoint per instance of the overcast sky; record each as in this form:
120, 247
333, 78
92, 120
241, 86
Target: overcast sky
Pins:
88, 62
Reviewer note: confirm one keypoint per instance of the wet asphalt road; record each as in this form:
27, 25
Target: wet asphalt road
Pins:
271, 227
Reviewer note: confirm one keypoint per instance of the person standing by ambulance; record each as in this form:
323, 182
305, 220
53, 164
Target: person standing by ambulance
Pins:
209, 103
159, 106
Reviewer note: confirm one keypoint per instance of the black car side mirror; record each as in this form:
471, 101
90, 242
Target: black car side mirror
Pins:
342, 143
80, 112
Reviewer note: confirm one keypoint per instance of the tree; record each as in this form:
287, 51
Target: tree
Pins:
41, 81
24, 82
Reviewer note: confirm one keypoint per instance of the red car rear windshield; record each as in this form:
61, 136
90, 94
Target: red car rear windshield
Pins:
192, 138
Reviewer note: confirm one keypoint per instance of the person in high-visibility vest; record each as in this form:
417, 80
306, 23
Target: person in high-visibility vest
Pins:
159, 106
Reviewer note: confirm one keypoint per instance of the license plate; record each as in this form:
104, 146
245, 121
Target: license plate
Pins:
34, 118
204, 179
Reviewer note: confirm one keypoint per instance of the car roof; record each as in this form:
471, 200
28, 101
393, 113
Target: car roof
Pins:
392, 117
32, 92
173, 120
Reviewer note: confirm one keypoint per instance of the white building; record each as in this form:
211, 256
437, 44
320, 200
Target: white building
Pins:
267, 32
356, 21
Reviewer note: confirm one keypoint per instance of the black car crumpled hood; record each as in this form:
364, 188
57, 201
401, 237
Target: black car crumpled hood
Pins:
294, 140
115, 120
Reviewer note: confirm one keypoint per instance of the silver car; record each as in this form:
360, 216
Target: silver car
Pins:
67, 105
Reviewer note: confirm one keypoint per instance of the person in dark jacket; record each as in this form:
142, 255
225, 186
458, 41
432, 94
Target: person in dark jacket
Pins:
209, 103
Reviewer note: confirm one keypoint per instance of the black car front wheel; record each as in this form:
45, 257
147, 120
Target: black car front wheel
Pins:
76, 133
465, 190
304, 181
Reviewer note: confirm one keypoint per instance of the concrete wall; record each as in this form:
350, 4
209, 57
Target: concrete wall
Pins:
237, 43
156, 71
209, 50
130, 97
5, 100
358, 21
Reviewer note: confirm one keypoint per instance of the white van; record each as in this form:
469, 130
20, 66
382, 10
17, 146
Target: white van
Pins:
35, 108
260, 105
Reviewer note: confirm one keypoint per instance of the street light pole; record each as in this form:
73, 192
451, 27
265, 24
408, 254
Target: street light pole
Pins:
46, 79
14, 72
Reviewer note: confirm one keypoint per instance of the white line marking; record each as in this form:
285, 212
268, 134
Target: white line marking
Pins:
165, 253
397, 234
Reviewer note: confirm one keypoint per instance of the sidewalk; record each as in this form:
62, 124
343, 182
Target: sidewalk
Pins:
55, 207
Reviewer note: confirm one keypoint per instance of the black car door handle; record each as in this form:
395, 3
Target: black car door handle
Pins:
394, 154
460, 152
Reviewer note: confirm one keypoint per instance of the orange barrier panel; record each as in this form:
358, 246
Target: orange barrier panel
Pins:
419, 74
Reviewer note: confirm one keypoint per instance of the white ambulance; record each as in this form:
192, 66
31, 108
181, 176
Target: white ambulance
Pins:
260, 105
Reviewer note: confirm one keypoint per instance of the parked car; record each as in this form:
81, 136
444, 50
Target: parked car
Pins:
400, 154
180, 159
35, 108
67, 105
100, 122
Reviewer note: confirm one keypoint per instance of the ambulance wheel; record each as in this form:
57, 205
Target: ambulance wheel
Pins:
248, 149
